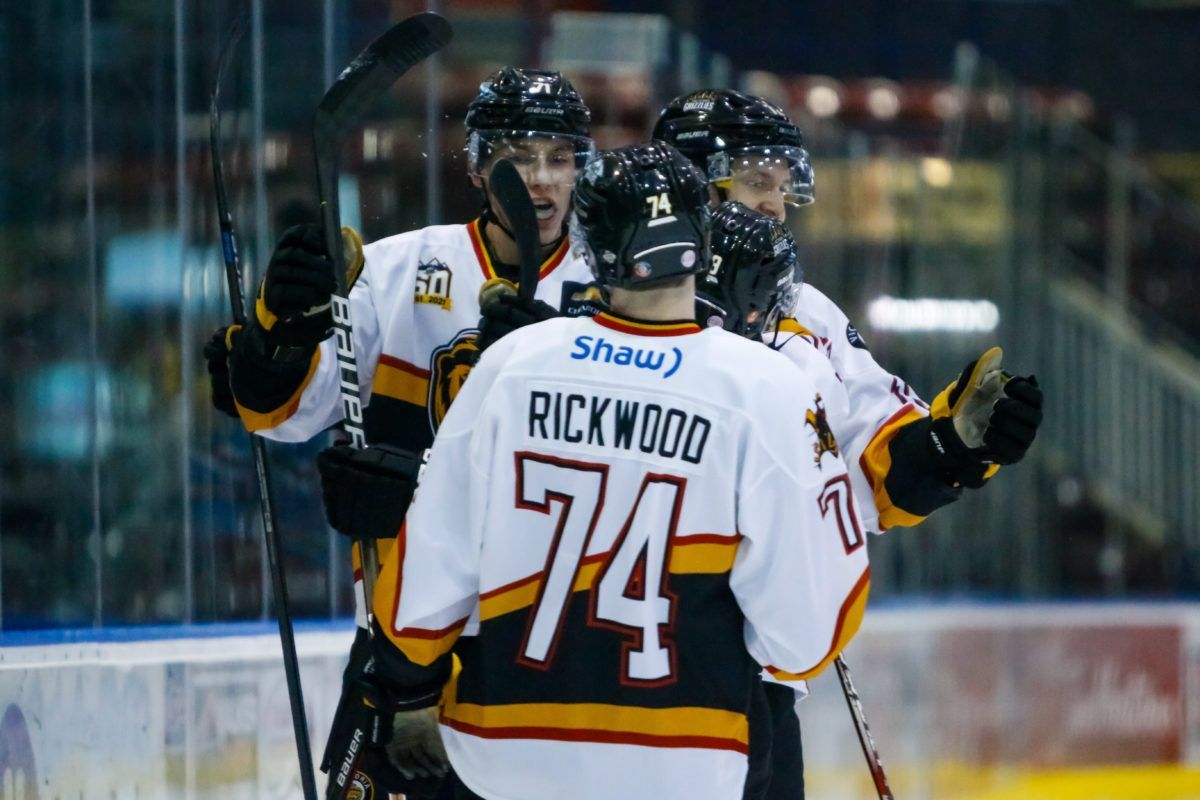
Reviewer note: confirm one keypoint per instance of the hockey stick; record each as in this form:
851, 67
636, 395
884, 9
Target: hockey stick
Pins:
233, 277
864, 733
339, 113
513, 196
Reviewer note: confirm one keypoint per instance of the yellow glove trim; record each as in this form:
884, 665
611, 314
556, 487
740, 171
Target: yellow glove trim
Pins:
988, 362
266, 317
259, 420
352, 255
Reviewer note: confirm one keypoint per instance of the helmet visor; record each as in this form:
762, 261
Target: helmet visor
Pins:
539, 157
755, 172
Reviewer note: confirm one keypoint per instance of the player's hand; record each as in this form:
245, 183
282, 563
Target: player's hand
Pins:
503, 312
293, 311
973, 395
367, 491
993, 419
416, 749
1014, 422
357, 751
216, 353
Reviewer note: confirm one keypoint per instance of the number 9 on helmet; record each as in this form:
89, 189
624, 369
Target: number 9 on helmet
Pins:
755, 275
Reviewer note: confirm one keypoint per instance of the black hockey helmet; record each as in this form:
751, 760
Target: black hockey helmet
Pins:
515, 103
755, 275
721, 131
641, 216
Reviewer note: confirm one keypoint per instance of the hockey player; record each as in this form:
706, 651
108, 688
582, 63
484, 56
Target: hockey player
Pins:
415, 313
904, 457
599, 533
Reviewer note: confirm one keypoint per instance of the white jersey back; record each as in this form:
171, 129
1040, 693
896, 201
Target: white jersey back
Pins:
624, 522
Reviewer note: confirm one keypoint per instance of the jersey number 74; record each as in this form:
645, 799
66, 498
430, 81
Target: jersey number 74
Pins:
629, 582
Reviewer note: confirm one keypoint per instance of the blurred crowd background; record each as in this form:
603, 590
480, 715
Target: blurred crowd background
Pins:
1021, 173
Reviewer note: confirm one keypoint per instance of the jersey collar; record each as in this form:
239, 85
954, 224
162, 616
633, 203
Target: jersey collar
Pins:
641, 327
475, 232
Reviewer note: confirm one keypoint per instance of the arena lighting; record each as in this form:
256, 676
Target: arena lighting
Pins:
937, 172
823, 100
998, 106
922, 314
948, 102
883, 101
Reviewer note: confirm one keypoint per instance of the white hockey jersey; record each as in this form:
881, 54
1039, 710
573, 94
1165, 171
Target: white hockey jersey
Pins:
619, 525
415, 311
879, 402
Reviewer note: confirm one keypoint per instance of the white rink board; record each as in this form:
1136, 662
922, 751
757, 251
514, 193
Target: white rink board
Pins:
985, 687
167, 718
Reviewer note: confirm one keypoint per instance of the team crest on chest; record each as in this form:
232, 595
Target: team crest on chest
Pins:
448, 370
816, 420
433, 284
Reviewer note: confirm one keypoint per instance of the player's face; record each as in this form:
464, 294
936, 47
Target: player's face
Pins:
548, 168
764, 185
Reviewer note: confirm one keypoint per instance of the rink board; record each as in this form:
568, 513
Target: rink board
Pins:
204, 715
966, 702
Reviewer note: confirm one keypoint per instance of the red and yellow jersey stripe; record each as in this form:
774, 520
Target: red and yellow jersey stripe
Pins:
614, 322
485, 259
849, 620
697, 554
709, 728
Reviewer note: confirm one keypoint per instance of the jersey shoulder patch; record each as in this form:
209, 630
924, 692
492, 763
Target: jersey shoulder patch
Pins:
854, 337
816, 419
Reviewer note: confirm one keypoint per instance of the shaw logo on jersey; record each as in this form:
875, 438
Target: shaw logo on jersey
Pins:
825, 443
449, 367
597, 349
433, 284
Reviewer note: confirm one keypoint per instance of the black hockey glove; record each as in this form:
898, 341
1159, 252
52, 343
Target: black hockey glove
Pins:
502, 312
367, 491
1014, 422
380, 746
216, 353
293, 313
993, 419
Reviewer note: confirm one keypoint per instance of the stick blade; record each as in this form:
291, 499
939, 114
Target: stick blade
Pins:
380, 64
513, 197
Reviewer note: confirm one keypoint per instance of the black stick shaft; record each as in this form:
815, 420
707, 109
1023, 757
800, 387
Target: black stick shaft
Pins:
340, 112
233, 276
864, 733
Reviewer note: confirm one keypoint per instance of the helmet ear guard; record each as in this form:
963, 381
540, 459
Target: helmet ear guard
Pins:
641, 216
